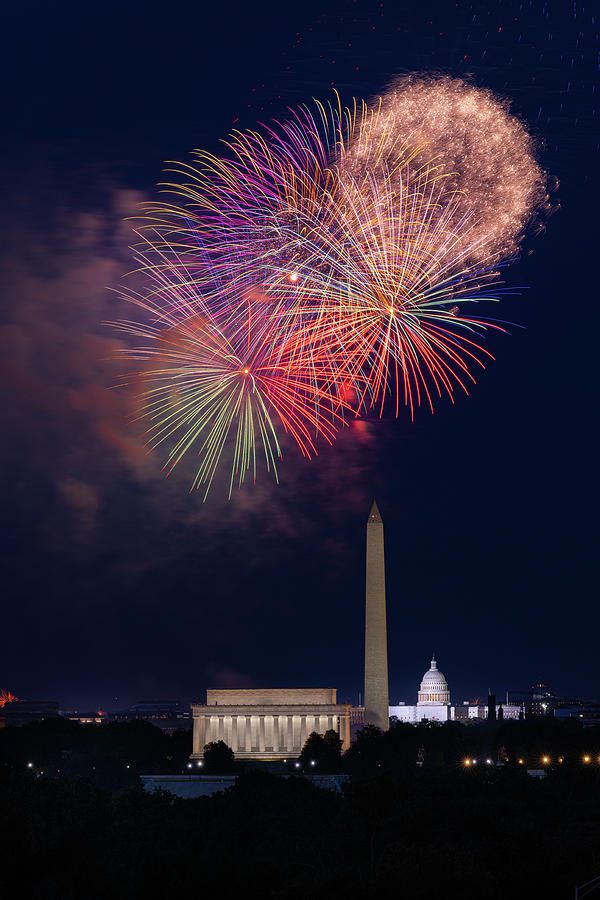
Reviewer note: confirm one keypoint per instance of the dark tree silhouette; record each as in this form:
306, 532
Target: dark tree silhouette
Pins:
219, 758
322, 754
313, 752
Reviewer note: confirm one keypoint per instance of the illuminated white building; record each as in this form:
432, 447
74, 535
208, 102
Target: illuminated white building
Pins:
433, 704
433, 700
268, 724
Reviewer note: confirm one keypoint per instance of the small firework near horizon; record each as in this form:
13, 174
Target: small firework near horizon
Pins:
324, 269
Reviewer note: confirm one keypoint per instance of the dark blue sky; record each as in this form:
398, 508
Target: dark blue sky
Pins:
119, 583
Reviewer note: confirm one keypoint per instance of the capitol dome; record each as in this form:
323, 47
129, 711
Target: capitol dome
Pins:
434, 688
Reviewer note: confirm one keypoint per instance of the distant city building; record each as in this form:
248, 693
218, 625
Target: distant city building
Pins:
586, 713
21, 712
168, 715
537, 701
84, 718
357, 720
540, 701
269, 723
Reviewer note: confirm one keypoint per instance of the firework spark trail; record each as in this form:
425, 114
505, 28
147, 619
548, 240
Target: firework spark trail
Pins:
327, 251
202, 383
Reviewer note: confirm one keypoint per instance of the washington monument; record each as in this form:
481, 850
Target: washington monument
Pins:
377, 710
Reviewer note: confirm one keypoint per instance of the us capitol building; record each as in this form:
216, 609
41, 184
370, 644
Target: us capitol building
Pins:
433, 703
433, 700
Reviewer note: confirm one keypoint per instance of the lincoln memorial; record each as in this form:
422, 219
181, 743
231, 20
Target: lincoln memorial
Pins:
270, 723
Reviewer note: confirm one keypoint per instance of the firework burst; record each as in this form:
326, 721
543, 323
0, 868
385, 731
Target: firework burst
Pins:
333, 249
219, 382
6, 697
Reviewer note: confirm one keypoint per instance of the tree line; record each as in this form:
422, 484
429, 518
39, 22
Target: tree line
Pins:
412, 821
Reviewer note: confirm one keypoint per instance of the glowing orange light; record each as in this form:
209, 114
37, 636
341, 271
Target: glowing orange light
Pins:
6, 697
586, 759
246, 371
545, 759
467, 762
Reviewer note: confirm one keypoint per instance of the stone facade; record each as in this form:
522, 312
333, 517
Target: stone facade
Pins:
414, 715
270, 723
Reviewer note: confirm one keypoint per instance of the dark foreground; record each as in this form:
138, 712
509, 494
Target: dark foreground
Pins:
494, 833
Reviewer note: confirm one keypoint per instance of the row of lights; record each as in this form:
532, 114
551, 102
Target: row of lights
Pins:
200, 762
546, 760
30, 765
585, 759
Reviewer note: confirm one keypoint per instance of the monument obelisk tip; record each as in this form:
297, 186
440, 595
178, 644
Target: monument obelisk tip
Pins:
374, 515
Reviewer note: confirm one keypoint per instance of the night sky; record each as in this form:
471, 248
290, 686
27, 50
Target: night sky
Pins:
117, 582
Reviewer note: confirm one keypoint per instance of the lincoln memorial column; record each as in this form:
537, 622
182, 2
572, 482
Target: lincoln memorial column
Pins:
199, 734
269, 732
303, 731
241, 732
